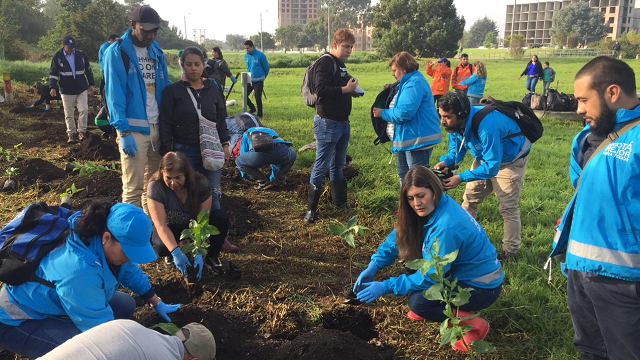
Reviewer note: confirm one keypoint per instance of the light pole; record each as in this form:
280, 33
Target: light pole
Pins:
185, 25
261, 43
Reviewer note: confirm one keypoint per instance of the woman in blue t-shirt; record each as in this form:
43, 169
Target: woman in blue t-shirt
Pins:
175, 195
533, 71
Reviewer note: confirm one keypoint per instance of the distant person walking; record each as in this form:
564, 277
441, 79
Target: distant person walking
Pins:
476, 83
461, 72
548, 76
533, 71
616, 49
221, 72
441, 75
102, 118
258, 66
71, 72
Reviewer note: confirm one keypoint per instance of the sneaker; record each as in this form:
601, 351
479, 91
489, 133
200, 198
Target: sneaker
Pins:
415, 317
71, 139
215, 265
82, 136
506, 255
263, 185
229, 247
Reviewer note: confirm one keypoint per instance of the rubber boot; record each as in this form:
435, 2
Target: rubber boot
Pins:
339, 195
256, 175
312, 203
283, 170
479, 330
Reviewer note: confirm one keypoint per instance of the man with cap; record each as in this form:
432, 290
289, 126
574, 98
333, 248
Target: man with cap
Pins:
441, 76
102, 251
135, 74
71, 72
126, 339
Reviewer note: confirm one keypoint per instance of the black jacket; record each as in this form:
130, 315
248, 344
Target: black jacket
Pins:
539, 69
178, 119
60, 74
329, 76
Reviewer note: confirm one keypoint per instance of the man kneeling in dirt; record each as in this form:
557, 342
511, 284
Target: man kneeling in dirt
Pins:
126, 339
261, 146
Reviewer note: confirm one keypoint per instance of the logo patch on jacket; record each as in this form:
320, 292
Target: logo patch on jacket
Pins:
619, 150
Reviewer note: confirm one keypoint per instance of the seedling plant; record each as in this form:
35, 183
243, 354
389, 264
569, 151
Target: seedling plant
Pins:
8, 154
348, 232
89, 168
199, 231
11, 172
454, 296
70, 191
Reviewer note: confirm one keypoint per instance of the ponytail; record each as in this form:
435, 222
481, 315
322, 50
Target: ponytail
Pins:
93, 220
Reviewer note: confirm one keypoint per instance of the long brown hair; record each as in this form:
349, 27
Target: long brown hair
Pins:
176, 161
409, 236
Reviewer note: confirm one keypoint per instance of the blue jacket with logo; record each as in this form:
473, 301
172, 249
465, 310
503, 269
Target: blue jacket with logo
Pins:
257, 65
477, 262
84, 285
416, 122
245, 146
475, 85
602, 233
126, 91
490, 148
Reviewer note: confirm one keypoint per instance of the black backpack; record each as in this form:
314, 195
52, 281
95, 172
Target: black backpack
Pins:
526, 100
530, 125
246, 121
26, 239
554, 101
569, 101
383, 100
307, 89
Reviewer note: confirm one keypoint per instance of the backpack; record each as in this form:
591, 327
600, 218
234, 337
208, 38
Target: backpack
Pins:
308, 95
383, 100
211, 66
26, 239
246, 121
554, 101
261, 141
526, 100
530, 125
569, 101
538, 102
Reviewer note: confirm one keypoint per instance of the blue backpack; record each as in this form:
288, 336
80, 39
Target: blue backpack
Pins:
31, 235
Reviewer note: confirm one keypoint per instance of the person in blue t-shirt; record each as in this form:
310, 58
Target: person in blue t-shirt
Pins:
533, 71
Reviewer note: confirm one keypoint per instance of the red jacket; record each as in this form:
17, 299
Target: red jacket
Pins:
461, 73
441, 75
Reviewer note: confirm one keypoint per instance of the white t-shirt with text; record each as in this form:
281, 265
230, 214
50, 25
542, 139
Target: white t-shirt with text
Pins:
149, 76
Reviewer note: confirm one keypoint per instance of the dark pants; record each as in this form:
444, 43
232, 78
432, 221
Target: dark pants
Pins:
433, 310
218, 218
606, 316
34, 338
257, 88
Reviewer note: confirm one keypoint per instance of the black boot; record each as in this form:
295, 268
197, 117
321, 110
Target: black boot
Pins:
283, 170
339, 194
312, 203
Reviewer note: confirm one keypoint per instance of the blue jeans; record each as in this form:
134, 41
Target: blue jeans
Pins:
279, 155
531, 83
34, 338
433, 309
192, 152
332, 140
409, 159
473, 100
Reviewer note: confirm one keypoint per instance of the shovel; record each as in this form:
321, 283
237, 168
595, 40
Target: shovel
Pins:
231, 88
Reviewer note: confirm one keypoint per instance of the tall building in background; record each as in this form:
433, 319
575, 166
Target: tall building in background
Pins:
297, 11
363, 37
533, 20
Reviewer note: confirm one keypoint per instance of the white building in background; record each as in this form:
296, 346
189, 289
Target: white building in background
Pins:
533, 20
297, 11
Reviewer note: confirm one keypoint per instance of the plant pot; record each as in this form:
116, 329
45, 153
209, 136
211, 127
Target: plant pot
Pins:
9, 186
69, 168
66, 201
350, 298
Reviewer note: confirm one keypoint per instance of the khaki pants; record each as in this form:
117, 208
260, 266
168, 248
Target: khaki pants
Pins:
137, 170
506, 184
70, 102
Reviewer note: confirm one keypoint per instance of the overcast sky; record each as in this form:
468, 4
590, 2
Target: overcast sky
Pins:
219, 18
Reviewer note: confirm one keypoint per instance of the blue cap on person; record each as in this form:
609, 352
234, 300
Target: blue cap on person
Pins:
132, 228
442, 59
69, 41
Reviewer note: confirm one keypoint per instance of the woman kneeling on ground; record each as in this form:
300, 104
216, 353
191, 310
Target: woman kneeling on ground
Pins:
426, 214
175, 195
102, 251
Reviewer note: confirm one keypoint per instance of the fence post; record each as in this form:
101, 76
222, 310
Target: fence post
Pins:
8, 93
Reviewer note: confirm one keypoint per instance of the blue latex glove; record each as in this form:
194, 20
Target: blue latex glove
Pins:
372, 291
233, 79
128, 144
365, 276
198, 263
180, 260
163, 309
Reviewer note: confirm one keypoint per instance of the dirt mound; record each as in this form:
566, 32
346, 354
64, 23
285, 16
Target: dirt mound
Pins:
322, 344
32, 170
95, 149
100, 185
243, 219
351, 319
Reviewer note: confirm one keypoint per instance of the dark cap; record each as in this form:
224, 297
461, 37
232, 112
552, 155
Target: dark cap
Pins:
69, 41
146, 17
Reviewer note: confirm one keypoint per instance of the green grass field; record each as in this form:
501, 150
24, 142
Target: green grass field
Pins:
531, 319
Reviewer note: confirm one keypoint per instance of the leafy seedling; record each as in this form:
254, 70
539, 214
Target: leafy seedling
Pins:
453, 295
199, 232
11, 172
348, 232
89, 168
70, 191
166, 328
8, 154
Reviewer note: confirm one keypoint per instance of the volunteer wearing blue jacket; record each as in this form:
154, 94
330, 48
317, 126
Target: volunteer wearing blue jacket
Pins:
101, 252
426, 214
280, 157
413, 114
476, 83
600, 231
258, 66
102, 118
500, 154
133, 94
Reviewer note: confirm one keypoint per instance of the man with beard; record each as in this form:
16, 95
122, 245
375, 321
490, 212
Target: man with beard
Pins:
599, 231
500, 152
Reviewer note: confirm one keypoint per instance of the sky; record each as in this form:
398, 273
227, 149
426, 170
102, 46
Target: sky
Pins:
218, 18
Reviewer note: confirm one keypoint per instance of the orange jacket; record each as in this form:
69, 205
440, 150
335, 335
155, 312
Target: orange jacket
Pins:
461, 73
441, 75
